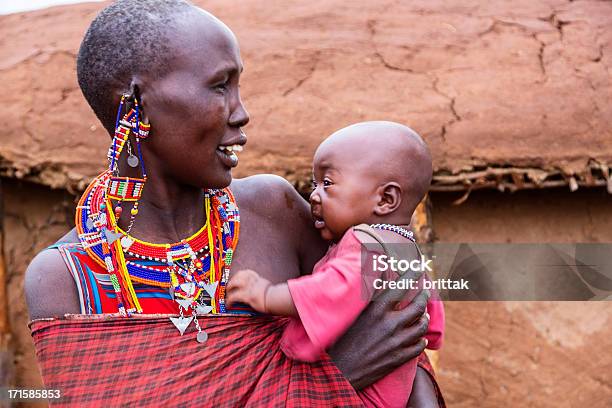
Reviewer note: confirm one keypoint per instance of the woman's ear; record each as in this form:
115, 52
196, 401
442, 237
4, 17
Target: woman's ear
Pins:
136, 92
390, 198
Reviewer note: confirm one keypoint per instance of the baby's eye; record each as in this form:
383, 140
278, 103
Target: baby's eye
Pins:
222, 87
327, 182
313, 184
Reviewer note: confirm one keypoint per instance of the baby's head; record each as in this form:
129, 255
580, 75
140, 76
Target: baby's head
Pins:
370, 172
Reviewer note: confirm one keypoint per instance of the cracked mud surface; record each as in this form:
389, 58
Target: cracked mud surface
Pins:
525, 83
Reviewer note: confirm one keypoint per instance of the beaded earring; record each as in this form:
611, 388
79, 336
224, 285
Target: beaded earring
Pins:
143, 130
121, 188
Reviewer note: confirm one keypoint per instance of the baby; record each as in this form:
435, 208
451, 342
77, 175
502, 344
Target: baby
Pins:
372, 173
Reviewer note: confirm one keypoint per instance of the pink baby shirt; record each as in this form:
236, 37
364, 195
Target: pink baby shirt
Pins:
329, 301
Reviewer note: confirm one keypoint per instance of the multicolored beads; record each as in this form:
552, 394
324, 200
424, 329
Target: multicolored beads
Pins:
125, 188
394, 228
203, 259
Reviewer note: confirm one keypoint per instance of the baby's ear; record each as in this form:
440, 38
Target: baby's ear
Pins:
390, 198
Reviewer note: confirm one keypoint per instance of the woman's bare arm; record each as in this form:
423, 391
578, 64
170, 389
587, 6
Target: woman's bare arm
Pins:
49, 288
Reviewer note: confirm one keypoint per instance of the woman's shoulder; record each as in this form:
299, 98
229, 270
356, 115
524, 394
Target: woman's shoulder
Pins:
49, 287
260, 184
271, 202
268, 194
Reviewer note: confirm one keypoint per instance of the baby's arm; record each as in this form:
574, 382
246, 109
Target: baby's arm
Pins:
423, 393
248, 287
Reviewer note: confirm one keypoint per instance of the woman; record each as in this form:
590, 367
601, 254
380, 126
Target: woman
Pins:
177, 68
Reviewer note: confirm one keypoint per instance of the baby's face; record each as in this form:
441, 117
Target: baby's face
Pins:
344, 192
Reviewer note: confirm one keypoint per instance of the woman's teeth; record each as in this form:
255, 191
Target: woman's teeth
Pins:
230, 149
230, 153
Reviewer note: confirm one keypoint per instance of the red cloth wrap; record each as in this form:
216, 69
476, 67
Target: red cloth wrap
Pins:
106, 360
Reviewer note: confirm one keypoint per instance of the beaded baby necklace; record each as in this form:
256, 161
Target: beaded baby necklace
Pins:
394, 228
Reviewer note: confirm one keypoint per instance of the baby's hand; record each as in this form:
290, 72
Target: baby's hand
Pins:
248, 287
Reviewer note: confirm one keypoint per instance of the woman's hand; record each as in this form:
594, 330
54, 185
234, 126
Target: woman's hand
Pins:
382, 338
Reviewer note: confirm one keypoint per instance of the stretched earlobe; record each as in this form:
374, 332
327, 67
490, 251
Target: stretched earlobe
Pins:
143, 126
390, 198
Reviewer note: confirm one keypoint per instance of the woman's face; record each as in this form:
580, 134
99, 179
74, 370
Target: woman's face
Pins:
195, 108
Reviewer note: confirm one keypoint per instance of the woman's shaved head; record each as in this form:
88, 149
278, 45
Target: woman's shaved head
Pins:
128, 37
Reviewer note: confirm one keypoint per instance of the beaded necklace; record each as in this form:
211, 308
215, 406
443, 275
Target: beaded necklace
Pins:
197, 268
394, 228
191, 260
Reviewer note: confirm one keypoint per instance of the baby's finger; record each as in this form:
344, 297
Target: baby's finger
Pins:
235, 282
235, 296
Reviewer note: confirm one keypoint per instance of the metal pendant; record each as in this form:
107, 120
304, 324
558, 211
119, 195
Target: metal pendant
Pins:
189, 288
89, 223
202, 337
181, 323
132, 161
126, 242
185, 303
203, 309
112, 236
211, 288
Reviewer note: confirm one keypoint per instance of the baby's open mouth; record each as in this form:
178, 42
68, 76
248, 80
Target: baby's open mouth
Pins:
319, 223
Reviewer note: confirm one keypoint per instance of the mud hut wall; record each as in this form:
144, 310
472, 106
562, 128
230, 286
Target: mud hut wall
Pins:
35, 217
487, 83
540, 354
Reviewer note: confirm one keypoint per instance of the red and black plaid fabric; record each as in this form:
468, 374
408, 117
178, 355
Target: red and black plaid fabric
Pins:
105, 360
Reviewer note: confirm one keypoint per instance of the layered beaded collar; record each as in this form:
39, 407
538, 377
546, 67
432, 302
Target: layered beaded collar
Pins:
194, 270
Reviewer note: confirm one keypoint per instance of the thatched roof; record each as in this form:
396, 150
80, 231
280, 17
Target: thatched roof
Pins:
507, 94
